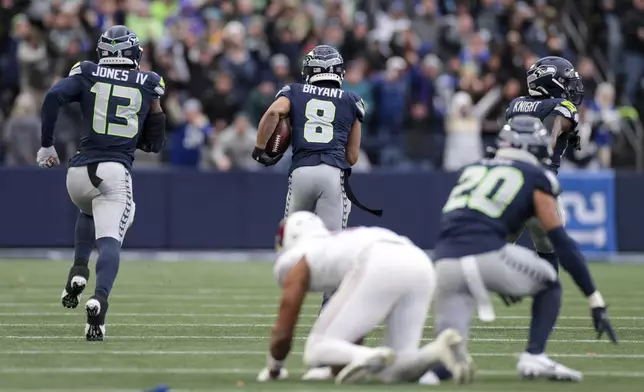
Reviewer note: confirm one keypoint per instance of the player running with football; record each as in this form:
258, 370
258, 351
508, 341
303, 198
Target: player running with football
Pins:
326, 124
121, 112
379, 276
494, 198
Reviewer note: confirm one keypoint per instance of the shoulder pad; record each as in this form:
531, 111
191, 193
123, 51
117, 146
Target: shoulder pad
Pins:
77, 69
283, 91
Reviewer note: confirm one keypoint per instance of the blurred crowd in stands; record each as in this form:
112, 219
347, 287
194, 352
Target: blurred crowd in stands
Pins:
436, 75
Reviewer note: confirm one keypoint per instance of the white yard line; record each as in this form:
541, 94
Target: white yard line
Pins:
263, 353
241, 371
255, 315
265, 338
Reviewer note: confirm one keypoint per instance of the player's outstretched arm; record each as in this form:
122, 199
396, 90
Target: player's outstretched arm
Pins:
153, 137
65, 91
353, 144
294, 288
572, 260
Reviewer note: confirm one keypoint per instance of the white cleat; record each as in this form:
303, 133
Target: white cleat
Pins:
540, 366
93, 332
76, 287
371, 364
319, 374
461, 366
429, 378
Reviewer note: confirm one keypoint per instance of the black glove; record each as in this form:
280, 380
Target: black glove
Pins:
259, 154
574, 140
510, 300
602, 324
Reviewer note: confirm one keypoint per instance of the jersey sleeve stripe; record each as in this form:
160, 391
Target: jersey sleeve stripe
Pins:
569, 105
76, 69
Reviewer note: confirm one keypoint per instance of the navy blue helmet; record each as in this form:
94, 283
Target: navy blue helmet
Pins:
526, 133
119, 46
555, 77
322, 63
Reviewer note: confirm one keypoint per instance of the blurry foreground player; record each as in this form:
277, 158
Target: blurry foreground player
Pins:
121, 112
493, 198
380, 277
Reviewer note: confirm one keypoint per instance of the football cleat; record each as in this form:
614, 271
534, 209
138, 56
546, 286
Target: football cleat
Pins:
458, 363
72, 291
358, 369
532, 366
96, 309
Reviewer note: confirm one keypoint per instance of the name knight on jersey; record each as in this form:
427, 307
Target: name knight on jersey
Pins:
526, 106
118, 74
322, 91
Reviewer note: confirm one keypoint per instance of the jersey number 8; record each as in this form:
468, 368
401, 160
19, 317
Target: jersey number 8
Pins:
487, 190
129, 113
318, 127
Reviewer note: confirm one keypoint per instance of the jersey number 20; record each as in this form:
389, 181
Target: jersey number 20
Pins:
318, 127
487, 190
128, 113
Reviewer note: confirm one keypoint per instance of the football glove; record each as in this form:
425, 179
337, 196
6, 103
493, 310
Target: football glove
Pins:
273, 371
601, 322
574, 140
47, 157
259, 154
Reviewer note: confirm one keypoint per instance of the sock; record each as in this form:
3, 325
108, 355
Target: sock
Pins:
324, 351
83, 240
107, 265
410, 366
545, 310
442, 373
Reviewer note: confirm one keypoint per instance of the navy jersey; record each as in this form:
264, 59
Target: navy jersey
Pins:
321, 121
114, 105
542, 108
493, 199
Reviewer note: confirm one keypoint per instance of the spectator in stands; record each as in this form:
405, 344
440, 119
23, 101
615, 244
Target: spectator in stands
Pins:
634, 49
605, 121
189, 140
22, 132
463, 145
233, 146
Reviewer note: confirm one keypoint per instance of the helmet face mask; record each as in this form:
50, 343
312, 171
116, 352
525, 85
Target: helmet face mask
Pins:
555, 77
119, 46
323, 63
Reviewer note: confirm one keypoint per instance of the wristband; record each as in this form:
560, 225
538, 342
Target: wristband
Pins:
596, 301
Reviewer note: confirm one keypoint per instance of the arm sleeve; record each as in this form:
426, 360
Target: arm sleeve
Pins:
361, 109
65, 91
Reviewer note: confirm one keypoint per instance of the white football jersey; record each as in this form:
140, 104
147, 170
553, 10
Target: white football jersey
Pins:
331, 257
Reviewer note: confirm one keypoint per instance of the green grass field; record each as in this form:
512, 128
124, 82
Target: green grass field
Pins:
204, 326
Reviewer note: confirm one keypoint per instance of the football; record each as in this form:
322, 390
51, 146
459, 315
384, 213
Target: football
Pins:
279, 142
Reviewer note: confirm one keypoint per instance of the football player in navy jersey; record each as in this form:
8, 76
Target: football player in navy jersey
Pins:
121, 112
494, 198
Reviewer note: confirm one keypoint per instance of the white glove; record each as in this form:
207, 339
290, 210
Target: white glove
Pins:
47, 157
274, 371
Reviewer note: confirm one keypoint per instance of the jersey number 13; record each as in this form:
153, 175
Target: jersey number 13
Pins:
487, 190
128, 114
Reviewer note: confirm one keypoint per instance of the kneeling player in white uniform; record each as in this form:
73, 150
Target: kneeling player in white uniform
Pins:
379, 276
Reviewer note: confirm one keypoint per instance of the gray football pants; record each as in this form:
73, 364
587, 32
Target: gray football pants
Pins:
512, 270
319, 189
106, 194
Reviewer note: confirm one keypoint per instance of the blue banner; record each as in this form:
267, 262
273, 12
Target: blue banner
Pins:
589, 202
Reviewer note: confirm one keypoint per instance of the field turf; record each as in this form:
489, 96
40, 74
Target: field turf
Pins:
204, 326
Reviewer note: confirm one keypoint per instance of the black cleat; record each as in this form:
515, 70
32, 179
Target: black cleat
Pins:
72, 291
96, 309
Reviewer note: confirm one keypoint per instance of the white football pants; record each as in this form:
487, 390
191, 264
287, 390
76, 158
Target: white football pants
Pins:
104, 191
390, 282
